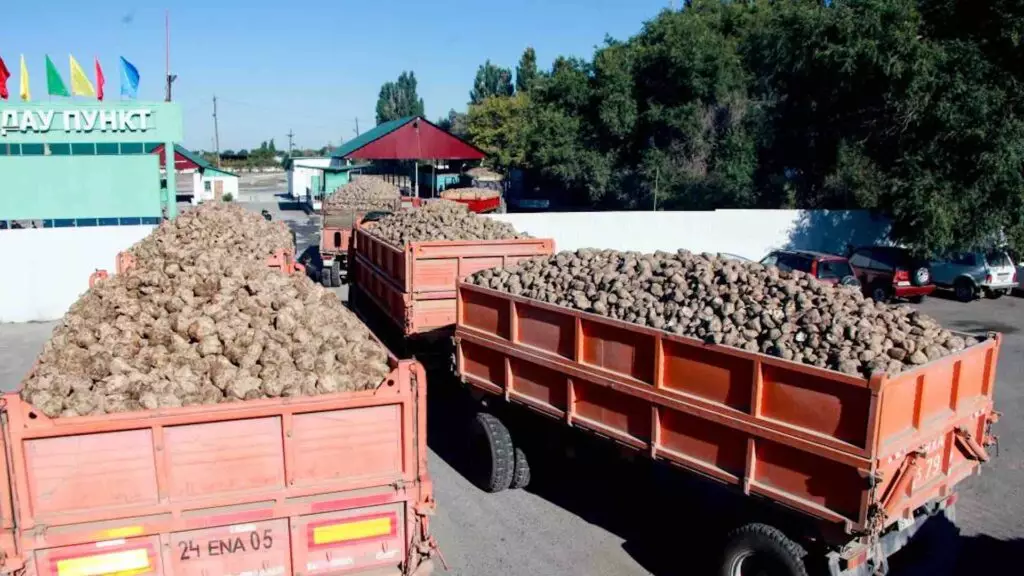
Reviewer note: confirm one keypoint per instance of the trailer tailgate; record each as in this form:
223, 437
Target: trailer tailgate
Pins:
275, 486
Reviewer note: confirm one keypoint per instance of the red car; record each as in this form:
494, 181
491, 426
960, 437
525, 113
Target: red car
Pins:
827, 268
888, 272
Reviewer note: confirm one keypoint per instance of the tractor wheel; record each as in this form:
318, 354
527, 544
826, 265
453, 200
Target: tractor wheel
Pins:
493, 453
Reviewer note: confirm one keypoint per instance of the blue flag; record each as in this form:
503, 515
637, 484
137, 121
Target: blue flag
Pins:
129, 79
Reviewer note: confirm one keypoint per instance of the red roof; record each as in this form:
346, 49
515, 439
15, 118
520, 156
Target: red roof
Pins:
182, 159
415, 139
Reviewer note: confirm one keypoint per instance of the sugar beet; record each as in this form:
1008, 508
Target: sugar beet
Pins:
202, 323
440, 220
739, 304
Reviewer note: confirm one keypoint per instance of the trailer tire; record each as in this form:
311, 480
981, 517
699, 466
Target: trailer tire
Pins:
521, 474
777, 554
497, 467
336, 273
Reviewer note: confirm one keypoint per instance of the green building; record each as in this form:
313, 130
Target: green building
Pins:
77, 185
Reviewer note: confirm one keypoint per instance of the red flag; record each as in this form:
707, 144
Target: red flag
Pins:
4, 75
99, 80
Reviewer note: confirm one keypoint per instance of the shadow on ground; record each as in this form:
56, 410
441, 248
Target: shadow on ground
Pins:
972, 321
650, 507
671, 522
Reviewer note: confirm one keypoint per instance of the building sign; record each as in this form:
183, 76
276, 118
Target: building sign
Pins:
91, 122
42, 121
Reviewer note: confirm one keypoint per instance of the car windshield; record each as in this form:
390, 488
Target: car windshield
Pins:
837, 269
997, 258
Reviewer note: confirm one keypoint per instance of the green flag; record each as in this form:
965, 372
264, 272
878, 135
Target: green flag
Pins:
54, 83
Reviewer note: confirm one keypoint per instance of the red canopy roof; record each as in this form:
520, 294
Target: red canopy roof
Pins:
415, 138
183, 159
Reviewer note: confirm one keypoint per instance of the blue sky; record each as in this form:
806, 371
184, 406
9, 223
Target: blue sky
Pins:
312, 66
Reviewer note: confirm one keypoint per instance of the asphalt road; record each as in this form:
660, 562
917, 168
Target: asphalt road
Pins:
599, 514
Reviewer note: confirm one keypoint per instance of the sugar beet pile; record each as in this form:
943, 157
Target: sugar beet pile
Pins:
470, 194
739, 304
440, 220
195, 325
225, 228
363, 194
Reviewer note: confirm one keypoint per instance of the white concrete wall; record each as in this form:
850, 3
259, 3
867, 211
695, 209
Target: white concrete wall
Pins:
49, 268
198, 194
747, 233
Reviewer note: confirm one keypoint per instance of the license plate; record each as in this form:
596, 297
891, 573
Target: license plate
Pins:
904, 283
1004, 276
259, 549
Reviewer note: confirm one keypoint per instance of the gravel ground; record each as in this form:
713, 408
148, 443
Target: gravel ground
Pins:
598, 516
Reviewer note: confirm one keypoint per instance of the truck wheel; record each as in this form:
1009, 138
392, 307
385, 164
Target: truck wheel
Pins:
496, 463
761, 549
880, 293
336, 273
995, 294
521, 475
964, 290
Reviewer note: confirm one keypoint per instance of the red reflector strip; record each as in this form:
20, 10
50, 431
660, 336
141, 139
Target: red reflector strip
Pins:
347, 531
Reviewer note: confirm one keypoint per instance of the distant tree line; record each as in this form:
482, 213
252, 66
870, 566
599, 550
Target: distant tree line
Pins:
913, 108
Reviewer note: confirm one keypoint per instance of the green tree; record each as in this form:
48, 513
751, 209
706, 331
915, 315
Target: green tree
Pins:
399, 99
526, 71
497, 126
491, 81
454, 123
911, 108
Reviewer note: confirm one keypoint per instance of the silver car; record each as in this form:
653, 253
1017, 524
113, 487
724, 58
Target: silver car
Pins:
971, 274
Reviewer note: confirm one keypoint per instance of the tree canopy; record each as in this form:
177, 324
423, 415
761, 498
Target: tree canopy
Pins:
491, 81
526, 71
911, 108
399, 99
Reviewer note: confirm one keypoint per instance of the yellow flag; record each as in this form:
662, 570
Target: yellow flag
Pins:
80, 83
25, 94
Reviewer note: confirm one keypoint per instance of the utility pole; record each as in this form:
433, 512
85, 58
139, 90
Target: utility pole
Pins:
291, 134
167, 51
357, 126
216, 131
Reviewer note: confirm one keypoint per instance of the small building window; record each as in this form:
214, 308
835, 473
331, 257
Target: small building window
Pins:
131, 148
207, 185
60, 149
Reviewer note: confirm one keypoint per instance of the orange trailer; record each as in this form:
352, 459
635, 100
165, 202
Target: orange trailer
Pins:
336, 237
866, 460
414, 286
315, 485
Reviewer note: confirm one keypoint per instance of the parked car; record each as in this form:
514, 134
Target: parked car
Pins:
736, 257
972, 274
827, 268
888, 272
